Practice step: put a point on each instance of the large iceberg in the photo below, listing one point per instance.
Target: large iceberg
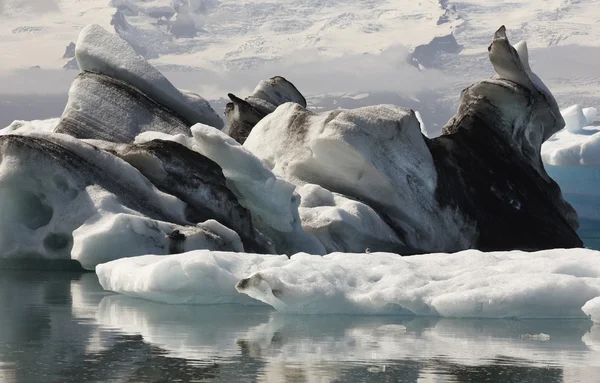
(470, 284)
(135, 166)
(480, 185)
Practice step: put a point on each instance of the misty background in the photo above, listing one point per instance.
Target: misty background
(346, 81)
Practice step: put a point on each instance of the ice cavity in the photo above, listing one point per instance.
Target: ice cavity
(271, 200)
(470, 284)
(65, 199)
(375, 154)
(99, 51)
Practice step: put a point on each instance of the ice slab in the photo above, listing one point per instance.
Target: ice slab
(470, 284)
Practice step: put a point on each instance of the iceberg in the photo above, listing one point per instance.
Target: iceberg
(194, 179)
(271, 200)
(118, 94)
(572, 158)
(135, 166)
(470, 284)
(574, 118)
(243, 115)
(480, 185)
(99, 51)
(62, 199)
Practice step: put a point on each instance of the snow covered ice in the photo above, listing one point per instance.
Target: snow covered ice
(470, 284)
(578, 144)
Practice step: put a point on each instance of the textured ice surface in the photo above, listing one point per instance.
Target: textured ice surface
(343, 224)
(201, 277)
(271, 200)
(61, 198)
(576, 145)
(375, 154)
(546, 284)
(102, 52)
(114, 232)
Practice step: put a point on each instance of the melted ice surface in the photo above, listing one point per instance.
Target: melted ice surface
(470, 284)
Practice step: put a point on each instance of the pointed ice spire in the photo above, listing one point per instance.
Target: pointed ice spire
(507, 61)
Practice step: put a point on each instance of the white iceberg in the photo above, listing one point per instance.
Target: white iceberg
(576, 145)
(574, 118)
(374, 154)
(470, 284)
(63, 199)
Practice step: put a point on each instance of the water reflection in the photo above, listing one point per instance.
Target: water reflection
(58, 327)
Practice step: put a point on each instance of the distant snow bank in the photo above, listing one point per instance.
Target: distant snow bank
(470, 284)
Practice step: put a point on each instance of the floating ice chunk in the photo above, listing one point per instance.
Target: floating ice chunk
(573, 149)
(200, 277)
(99, 51)
(61, 198)
(590, 114)
(545, 284)
(540, 337)
(574, 118)
(592, 308)
(109, 235)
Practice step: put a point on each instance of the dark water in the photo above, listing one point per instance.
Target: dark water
(61, 327)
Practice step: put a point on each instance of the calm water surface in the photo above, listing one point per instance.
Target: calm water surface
(61, 327)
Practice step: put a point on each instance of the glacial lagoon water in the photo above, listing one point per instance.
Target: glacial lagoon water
(62, 327)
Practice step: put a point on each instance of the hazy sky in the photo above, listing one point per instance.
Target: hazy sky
(311, 72)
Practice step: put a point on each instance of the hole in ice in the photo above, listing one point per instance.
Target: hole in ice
(61, 183)
(374, 278)
(23, 207)
(57, 241)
